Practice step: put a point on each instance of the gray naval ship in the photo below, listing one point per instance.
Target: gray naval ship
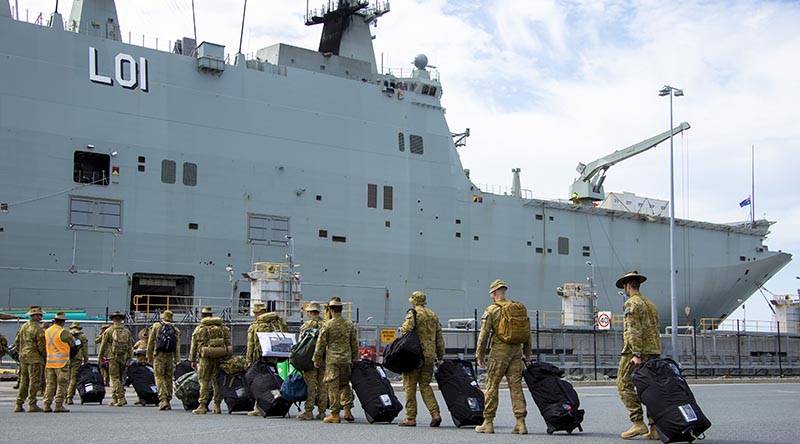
(127, 171)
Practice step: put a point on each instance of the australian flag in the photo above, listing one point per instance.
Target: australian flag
(745, 202)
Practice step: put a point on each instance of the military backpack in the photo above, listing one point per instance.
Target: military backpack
(215, 347)
(120, 341)
(167, 338)
(515, 325)
(301, 355)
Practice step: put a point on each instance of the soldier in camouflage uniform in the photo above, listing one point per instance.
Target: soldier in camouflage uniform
(430, 336)
(163, 361)
(117, 347)
(76, 330)
(103, 366)
(58, 343)
(504, 360)
(208, 367)
(317, 393)
(641, 343)
(337, 347)
(140, 347)
(30, 343)
(265, 322)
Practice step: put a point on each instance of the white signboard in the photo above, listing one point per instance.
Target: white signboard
(276, 343)
(604, 320)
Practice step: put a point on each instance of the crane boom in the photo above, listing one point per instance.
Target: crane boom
(589, 185)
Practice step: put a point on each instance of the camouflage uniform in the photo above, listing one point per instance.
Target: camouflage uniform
(118, 356)
(3, 346)
(430, 335)
(57, 368)
(163, 362)
(99, 340)
(81, 358)
(267, 322)
(337, 347)
(640, 338)
(140, 347)
(504, 360)
(207, 368)
(315, 377)
(32, 354)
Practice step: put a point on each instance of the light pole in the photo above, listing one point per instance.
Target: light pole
(672, 91)
(744, 314)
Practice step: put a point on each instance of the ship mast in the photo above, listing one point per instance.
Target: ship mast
(97, 18)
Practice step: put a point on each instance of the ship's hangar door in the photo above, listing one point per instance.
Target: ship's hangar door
(158, 292)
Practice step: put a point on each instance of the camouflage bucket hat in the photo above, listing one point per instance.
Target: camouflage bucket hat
(312, 306)
(167, 315)
(207, 310)
(60, 316)
(259, 307)
(35, 310)
(417, 298)
(75, 326)
(496, 285)
(632, 276)
(336, 301)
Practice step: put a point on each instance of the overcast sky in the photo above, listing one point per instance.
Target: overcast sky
(546, 84)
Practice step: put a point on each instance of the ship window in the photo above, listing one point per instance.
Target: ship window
(539, 217)
(86, 212)
(416, 144)
(193, 226)
(458, 235)
(401, 141)
(458, 221)
(586, 251)
(372, 195)
(141, 168)
(319, 197)
(323, 233)
(530, 243)
(339, 239)
(168, 171)
(141, 159)
(271, 229)
(387, 224)
(387, 198)
(476, 238)
(432, 91)
(551, 218)
(91, 168)
(549, 250)
(189, 174)
(539, 250)
(742, 258)
(425, 89)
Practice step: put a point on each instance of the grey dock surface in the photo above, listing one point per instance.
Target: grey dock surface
(751, 413)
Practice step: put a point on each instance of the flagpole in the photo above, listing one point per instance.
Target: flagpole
(753, 184)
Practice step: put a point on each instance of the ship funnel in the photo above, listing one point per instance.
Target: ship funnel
(97, 18)
(516, 188)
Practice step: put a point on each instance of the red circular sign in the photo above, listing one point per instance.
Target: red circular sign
(604, 320)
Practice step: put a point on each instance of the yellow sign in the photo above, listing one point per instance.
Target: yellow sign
(388, 335)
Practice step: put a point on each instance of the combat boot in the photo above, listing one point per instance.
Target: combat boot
(70, 401)
(19, 408)
(321, 415)
(520, 428)
(638, 428)
(407, 423)
(163, 405)
(33, 408)
(348, 415)
(138, 402)
(255, 412)
(436, 419)
(217, 409)
(60, 408)
(201, 410)
(113, 403)
(305, 416)
(486, 427)
(332, 419)
(47, 408)
(122, 402)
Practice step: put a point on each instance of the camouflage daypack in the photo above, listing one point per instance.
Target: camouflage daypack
(216, 336)
(515, 325)
(121, 341)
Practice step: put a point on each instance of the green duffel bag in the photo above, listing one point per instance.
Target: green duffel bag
(302, 354)
(233, 365)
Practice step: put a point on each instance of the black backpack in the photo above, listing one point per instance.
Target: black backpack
(167, 338)
(405, 353)
(74, 349)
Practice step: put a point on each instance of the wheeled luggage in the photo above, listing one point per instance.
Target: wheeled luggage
(556, 399)
(375, 392)
(90, 384)
(462, 394)
(265, 386)
(143, 380)
(187, 389)
(669, 401)
(235, 392)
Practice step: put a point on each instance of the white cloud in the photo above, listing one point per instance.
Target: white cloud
(546, 84)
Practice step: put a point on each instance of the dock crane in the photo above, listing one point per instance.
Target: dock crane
(589, 185)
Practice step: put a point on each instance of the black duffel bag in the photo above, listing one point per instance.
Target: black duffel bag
(404, 353)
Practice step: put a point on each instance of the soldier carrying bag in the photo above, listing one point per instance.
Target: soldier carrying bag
(405, 353)
(216, 347)
(167, 338)
(121, 341)
(75, 348)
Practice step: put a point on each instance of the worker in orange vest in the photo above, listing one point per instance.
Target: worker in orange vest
(58, 341)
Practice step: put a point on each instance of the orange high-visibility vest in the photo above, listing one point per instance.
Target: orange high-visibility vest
(57, 350)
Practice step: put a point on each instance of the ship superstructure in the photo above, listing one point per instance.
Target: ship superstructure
(126, 171)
